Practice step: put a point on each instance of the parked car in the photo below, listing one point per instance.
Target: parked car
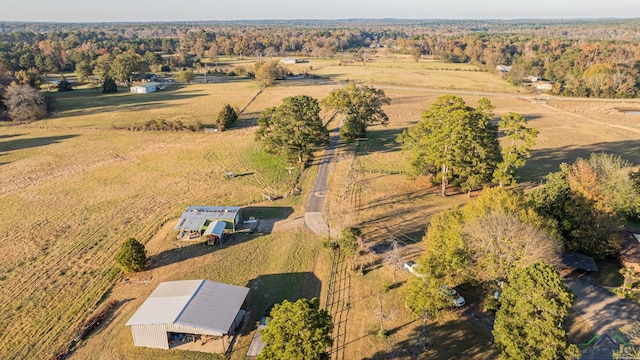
(451, 294)
(412, 267)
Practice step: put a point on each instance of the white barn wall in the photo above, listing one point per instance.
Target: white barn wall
(153, 336)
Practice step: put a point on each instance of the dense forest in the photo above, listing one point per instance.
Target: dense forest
(589, 58)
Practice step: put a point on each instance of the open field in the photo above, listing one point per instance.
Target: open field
(73, 188)
(402, 70)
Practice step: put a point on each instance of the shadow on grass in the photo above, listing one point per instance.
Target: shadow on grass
(380, 139)
(453, 339)
(545, 161)
(267, 290)
(267, 212)
(195, 249)
(70, 103)
(10, 136)
(19, 144)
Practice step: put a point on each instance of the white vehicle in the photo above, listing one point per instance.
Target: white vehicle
(412, 267)
(452, 294)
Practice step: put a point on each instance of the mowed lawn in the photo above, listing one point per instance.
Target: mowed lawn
(73, 187)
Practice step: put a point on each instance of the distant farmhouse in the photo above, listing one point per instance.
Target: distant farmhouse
(208, 222)
(503, 68)
(146, 88)
(197, 315)
(543, 85)
(290, 61)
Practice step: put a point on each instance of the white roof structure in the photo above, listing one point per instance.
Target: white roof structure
(215, 228)
(194, 218)
(198, 304)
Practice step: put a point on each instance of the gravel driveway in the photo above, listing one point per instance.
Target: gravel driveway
(606, 312)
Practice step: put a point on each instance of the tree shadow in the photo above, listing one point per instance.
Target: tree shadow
(10, 136)
(267, 212)
(380, 140)
(19, 144)
(77, 103)
(195, 249)
(454, 339)
(270, 289)
(545, 161)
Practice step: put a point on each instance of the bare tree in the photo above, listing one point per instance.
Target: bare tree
(499, 241)
(24, 103)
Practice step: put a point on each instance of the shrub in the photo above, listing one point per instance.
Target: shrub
(109, 86)
(349, 240)
(132, 256)
(64, 85)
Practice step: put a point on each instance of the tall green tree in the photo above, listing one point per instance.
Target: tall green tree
(109, 85)
(126, 64)
(297, 330)
(132, 256)
(226, 117)
(454, 141)
(361, 107)
(102, 66)
(293, 129)
(444, 263)
(83, 70)
(267, 73)
(534, 304)
(520, 139)
(585, 216)
(185, 76)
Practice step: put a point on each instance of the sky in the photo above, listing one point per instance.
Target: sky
(190, 10)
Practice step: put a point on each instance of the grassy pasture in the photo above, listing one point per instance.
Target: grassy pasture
(401, 70)
(189, 104)
(71, 193)
(73, 188)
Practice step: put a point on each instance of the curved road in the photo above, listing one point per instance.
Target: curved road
(313, 212)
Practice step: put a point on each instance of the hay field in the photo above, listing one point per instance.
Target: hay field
(72, 190)
(401, 70)
(189, 104)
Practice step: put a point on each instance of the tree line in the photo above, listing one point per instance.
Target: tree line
(584, 58)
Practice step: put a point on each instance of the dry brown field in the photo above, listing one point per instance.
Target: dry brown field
(73, 188)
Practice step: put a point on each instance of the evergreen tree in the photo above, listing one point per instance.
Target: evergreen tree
(109, 85)
(454, 141)
(226, 117)
(293, 129)
(361, 107)
(297, 330)
(533, 305)
(520, 140)
(132, 256)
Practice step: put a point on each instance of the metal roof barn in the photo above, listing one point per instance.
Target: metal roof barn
(190, 306)
(195, 217)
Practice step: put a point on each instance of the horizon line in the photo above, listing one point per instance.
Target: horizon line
(314, 19)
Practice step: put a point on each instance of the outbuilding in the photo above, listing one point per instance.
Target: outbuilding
(290, 60)
(196, 219)
(145, 88)
(189, 312)
(215, 232)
